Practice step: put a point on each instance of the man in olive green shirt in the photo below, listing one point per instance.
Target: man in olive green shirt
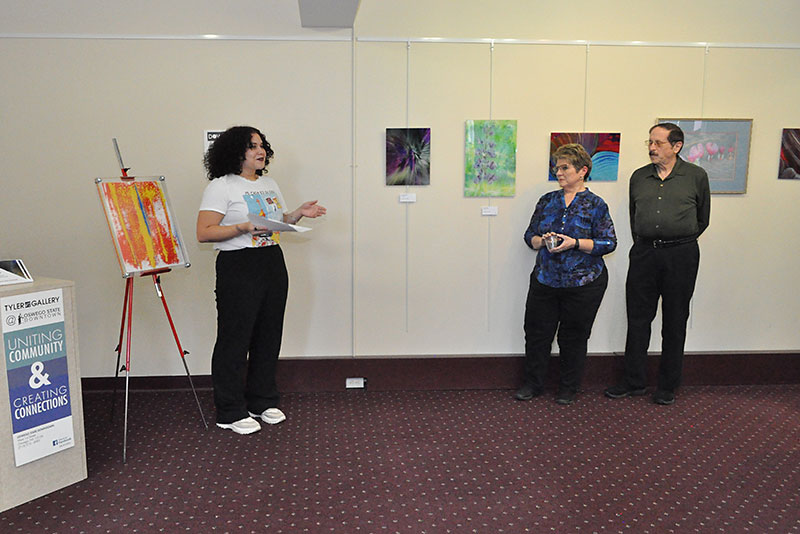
(670, 206)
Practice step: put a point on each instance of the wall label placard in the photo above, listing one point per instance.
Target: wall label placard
(35, 351)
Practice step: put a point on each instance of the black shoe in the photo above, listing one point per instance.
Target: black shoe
(527, 392)
(565, 396)
(663, 397)
(621, 390)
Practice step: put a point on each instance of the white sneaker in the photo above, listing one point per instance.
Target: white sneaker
(271, 416)
(248, 425)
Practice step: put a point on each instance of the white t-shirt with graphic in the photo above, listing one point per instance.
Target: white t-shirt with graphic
(234, 197)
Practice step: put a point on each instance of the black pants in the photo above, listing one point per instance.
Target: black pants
(251, 289)
(668, 274)
(571, 311)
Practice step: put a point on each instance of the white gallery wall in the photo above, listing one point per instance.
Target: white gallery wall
(376, 277)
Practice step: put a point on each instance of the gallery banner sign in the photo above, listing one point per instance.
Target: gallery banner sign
(34, 343)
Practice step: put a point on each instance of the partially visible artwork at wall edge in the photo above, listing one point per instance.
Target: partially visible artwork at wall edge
(789, 162)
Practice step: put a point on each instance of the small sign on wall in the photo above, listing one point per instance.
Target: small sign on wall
(209, 137)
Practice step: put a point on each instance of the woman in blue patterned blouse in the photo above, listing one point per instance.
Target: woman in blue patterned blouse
(571, 229)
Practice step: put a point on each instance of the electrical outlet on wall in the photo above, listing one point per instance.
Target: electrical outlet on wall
(355, 383)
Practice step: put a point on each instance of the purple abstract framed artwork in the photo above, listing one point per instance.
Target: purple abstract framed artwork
(408, 156)
(789, 165)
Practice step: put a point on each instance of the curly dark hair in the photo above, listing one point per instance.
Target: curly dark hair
(226, 155)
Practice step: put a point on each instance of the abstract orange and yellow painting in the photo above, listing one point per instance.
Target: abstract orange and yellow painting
(145, 233)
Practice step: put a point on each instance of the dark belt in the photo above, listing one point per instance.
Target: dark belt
(666, 243)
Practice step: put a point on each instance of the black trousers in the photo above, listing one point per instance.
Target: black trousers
(571, 312)
(251, 289)
(668, 274)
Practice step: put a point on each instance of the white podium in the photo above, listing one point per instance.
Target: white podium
(42, 443)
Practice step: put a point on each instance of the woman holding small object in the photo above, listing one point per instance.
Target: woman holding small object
(572, 230)
(252, 281)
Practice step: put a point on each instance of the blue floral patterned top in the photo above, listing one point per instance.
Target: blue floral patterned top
(586, 217)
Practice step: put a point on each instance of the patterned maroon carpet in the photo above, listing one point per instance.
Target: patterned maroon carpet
(722, 459)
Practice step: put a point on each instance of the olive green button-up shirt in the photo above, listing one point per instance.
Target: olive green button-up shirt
(677, 207)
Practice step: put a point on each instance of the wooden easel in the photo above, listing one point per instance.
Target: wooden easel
(126, 326)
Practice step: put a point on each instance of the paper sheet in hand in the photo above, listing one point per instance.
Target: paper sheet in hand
(275, 226)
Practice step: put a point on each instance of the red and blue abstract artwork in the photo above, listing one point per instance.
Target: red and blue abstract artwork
(603, 148)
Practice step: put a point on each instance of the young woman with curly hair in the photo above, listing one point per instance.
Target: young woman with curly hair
(252, 281)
